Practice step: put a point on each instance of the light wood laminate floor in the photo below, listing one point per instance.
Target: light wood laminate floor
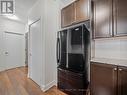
(15, 82)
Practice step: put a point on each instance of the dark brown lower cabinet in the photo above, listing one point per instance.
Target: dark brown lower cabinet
(122, 80)
(108, 79)
(103, 79)
(71, 83)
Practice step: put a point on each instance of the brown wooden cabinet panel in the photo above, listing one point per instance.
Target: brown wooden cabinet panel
(102, 18)
(67, 15)
(122, 80)
(75, 13)
(108, 13)
(82, 10)
(103, 79)
(120, 17)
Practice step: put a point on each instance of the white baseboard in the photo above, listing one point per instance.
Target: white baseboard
(1, 70)
(28, 75)
(4, 69)
(48, 86)
(56, 83)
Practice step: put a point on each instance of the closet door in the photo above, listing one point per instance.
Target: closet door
(14, 50)
(2, 65)
(120, 17)
(35, 52)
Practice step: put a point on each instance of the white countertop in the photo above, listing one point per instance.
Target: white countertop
(110, 61)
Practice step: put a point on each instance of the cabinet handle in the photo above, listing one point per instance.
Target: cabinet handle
(120, 69)
(115, 69)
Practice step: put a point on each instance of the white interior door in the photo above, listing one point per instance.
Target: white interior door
(35, 52)
(2, 65)
(14, 50)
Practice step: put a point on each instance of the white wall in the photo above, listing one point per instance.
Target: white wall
(48, 11)
(9, 26)
(34, 14)
(112, 48)
(52, 26)
(66, 2)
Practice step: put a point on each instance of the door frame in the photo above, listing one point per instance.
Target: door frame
(26, 47)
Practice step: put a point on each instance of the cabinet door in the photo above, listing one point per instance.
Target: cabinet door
(122, 81)
(68, 15)
(103, 79)
(120, 17)
(102, 18)
(82, 10)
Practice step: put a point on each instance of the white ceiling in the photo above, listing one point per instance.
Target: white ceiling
(67, 1)
(22, 8)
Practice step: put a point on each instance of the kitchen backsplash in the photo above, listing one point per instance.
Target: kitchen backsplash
(113, 48)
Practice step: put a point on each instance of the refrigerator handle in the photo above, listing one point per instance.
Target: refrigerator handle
(58, 50)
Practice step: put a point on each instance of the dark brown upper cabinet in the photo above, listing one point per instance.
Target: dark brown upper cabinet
(67, 15)
(109, 18)
(102, 18)
(75, 13)
(120, 17)
(103, 79)
(82, 10)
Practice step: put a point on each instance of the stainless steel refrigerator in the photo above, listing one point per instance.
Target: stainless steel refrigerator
(73, 55)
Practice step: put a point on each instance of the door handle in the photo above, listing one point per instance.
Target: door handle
(115, 69)
(30, 54)
(58, 50)
(120, 69)
(6, 53)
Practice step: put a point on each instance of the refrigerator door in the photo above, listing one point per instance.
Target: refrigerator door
(76, 62)
(63, 49)
(76, 36)
(76, 59)
(75, 40)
